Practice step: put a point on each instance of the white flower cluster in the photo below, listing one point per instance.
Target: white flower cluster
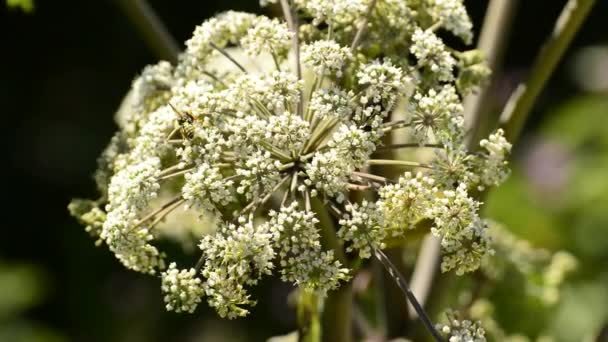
(431, 53)
(302, 259)
(339, 13)
(438, 114)
(128, 195)
(151, 88)
(493, 168)
(325, 57)
(234, 257)
(363, 227)
(331, 103)
(267, 35)
(382, 83)
(90, 215)
(182, 289)
(234, 131)
(462, 330)
(205, 188)
(463, 237)
(405, 203)
(453, 16)
(226, 28)
(349, 149)
(544, 272)
(453, 213)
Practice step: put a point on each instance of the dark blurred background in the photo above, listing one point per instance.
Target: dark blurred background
(64, 69)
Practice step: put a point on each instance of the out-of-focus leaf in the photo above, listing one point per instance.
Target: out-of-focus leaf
(25, 5)
(21, 287)
(22, 331)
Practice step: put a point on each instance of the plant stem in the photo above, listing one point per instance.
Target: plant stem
(523, 98)
(337, 317)
(398, 163)
(144, 219)
(292, 22)
(152, 29)
(400, 280)
(174, 174)
(371, 177)
(409, 145)
(228, 56)
(363, 26)
(425, 270)
(492, 42)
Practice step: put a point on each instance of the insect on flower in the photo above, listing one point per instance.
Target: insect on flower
(184, 124)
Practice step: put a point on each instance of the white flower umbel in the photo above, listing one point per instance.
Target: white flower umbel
(349, 149)
(151, 89)
(437, 115)
(267, 35)
(325, 57)
(405, 203)
(182, 289)
(493, 166)
(463, 234)
(432, 54)
(453, 17)
(382, 83)
(457, 330)
(302, 259)
(235, 256)
(363, 227)
(128, 194)
(205, 188)
(338, 13)
(228, 27)
(265, 139)
(331, 102)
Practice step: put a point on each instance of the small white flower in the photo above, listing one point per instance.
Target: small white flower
(462, 330)
(406, 202)
(325, 57)
(267, 35)
(182, 289)
(363, 226)
(492, 166)
(331, 103)
(453, 16)
(301, 258)
(431, 53)
(437, 114)
(205, 188)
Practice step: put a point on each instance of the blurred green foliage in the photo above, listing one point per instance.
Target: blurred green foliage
(25, 5)
(557, 199)
(21, 288)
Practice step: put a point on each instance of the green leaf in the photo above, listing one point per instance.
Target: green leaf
(25, 5)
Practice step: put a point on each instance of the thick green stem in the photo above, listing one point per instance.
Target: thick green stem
(309, 322)
(337, 310)
(492, 43)
(151, 28)
(521, 102)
